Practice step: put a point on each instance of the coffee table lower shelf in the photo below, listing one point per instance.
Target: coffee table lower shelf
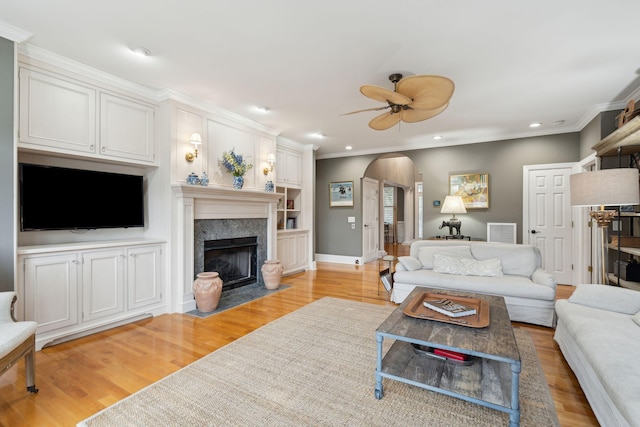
(487, 382)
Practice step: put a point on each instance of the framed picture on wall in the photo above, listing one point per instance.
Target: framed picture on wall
(341, 193)
(472, 187)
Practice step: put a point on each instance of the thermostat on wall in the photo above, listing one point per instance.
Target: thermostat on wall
(436, 203)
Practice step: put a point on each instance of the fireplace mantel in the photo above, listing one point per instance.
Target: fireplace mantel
(194, 202)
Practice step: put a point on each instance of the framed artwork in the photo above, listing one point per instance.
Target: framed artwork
(472, 187)
(341, 193)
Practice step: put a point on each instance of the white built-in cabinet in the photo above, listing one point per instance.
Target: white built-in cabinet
(289, 167)
(75, 288)
(293, 233)
(292, 250)
(66, 116)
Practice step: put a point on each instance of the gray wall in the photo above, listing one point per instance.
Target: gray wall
(502, 160)
(7, 170)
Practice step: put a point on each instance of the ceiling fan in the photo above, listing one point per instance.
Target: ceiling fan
(414, 98)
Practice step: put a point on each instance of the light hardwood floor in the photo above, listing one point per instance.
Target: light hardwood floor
(80, 377)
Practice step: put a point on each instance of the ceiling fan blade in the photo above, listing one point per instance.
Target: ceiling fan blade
(367, 109)
(384, 95)
(427, 92)
(412, 116)
(384, 121)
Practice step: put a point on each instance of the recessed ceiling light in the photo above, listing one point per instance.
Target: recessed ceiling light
(263, 109)
(317, 135)
(535, 125)
(348, 147)
(141, 51)
(437, 137)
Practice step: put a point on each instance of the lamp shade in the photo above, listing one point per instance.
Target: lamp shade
(453, 205)
(196, 139)
(605, 187)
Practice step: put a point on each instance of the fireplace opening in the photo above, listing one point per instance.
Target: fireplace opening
(236, 260)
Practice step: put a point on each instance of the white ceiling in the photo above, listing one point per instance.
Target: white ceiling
(513, 62)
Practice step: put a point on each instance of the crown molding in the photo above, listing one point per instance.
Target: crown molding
(36, 53)
(13, 33)
(220, 113)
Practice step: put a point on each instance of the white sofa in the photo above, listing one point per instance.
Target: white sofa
(598, 332)
(510, 270)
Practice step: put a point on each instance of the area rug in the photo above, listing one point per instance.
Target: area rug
(313, 367)
(235, 297)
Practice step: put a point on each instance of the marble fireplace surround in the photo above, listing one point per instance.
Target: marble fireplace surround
(195, 202)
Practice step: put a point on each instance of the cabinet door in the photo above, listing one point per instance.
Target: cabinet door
(301, 250)
(144, 276)
(56, 113)
(102, 284)
(286, 253)
(126, 128)
(51, 291)
(294, 168)
(289, 167)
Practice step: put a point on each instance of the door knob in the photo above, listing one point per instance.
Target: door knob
(533, 231)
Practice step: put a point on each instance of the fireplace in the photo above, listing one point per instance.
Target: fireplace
(235, 248)
(212, 213)
(235, 259)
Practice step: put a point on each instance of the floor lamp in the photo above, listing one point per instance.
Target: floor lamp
(607, 187)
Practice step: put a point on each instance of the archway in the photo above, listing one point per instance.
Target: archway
(397, 174)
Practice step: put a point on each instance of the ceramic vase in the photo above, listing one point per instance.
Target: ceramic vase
(269, 187)
(207, 289)
(204, 179)
(238, 182)
(271, 273)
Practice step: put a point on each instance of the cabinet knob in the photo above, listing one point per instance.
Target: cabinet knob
(103, 148)
(91, 147)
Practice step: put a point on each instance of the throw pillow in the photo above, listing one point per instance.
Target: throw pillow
(425, 253)
(410, 263)
(636, 318)
(486, 267)
(447, 265)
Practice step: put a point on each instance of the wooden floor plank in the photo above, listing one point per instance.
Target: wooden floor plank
(80, 377)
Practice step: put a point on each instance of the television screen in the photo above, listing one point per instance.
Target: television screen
(55, 198)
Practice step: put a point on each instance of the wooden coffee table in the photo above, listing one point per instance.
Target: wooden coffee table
(491, 379)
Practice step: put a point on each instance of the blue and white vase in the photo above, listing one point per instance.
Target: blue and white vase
(204, 179)
(193, 179)
(268, 187)
(238, 182)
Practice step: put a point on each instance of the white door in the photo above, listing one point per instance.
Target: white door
(547, 217)
(370, 209)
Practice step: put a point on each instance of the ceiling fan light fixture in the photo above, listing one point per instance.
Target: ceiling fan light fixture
(414, 99)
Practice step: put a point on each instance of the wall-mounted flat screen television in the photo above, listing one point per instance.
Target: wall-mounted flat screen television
(56, 198)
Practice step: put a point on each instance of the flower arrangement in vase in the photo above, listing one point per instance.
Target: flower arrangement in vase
(235, 164)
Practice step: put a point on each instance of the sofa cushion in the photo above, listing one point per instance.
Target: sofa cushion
(521, 260)
(507, 285)
(410, 263)
(425, 254)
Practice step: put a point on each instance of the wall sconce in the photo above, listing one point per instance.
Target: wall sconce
(271, 158)
(195, 140)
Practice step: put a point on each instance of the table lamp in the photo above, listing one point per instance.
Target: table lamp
(453, 205)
